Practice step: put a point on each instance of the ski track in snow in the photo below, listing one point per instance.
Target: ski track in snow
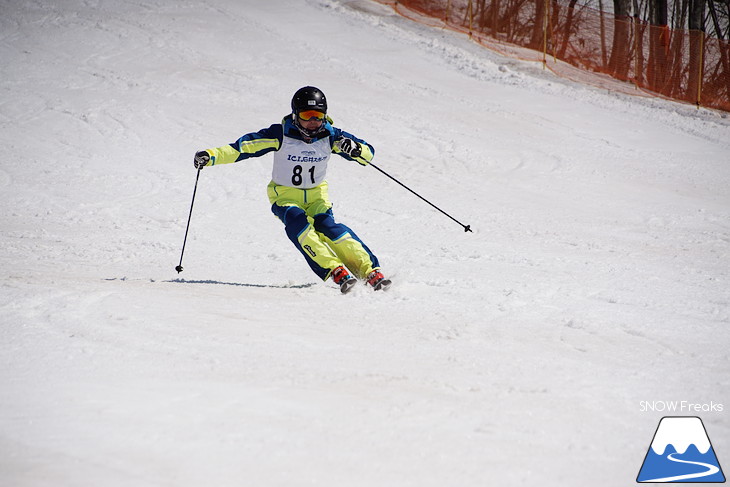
(711, 470)
(596, 276)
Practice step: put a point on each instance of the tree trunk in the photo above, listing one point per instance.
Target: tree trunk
(696, 47)
(715, 20)
(697, 15)
(621, 50)
(538, 30)
(658, 44)
(567, 31)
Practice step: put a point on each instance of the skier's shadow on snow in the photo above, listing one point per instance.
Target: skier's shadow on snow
(241, 284)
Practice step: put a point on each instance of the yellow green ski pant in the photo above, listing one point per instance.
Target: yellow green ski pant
(310, 225)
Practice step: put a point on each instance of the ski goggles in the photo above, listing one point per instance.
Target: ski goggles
(311, 115)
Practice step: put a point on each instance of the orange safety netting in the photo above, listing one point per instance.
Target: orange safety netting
(677, 64)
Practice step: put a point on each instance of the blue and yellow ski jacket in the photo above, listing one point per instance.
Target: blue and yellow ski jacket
(256, 144)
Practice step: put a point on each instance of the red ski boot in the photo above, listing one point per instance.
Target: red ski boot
(343, 279)
(378, 281)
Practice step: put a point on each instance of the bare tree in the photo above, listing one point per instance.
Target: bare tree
(658, 43)
(621, 51)
(696, 22)
(720, 15)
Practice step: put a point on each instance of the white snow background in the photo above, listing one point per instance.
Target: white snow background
(597, 275)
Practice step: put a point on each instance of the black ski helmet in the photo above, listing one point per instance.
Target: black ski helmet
(308, 98)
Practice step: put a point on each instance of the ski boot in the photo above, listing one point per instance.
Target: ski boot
(378, 281)
(343, 279)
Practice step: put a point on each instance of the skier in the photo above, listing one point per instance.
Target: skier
(302, 144)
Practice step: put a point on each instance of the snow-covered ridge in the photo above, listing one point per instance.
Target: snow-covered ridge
(479, 62)
(681, 432)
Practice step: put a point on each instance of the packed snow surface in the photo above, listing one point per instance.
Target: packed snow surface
(596, 281)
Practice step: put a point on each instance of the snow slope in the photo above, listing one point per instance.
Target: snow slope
(596, 277)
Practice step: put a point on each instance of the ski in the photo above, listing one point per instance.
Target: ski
(347, 285)
(382, 285)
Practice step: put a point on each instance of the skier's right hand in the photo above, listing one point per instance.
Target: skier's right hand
(201, 160)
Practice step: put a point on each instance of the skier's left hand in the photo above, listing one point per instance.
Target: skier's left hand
(350, 147)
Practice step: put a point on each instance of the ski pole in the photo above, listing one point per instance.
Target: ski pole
(467, 228)
(179, 267)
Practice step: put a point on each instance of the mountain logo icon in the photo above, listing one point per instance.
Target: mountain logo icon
(681, 452)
